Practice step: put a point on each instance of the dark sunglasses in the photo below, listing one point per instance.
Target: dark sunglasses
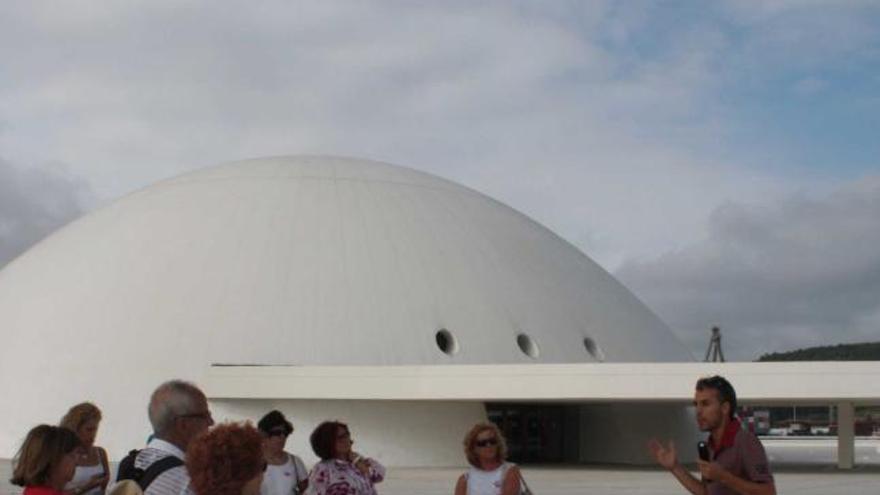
(489, 442)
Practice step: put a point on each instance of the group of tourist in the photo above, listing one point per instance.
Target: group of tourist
(187, 454)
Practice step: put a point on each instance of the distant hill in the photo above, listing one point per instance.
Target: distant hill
(867, 351)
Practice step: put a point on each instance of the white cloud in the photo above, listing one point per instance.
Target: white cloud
(780, 275)
(561, 110)
(526, 105)
(33, 203)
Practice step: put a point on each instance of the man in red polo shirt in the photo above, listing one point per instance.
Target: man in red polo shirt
(737, 463)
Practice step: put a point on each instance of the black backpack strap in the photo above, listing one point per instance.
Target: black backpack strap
(126, 469)
(157, 468)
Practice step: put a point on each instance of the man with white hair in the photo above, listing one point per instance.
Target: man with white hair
(179, 412)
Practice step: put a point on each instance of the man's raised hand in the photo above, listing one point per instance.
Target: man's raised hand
(664, 455)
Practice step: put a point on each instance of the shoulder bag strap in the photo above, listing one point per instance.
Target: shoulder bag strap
(157, 468)
(295, 473)
(102, 454)
(524, 488)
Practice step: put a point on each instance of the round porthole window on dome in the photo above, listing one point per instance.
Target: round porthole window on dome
(528, 346)
(446, 342)
(593, 349)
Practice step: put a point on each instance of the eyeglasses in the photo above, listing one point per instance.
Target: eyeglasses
(488, 442)
(277, 433)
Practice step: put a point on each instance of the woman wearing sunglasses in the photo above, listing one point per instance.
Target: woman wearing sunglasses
(489, 474)
(286, 474)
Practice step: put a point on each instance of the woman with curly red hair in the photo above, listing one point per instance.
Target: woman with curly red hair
(227, 460)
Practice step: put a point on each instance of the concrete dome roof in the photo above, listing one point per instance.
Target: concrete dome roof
(305, 260)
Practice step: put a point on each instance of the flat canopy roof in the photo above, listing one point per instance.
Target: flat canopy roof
(820, 382)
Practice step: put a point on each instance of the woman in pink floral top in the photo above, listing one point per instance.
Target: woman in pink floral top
(341, 470)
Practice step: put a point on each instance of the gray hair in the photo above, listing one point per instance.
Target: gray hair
(172, 399)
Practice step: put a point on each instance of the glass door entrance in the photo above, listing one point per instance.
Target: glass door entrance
(536, 433)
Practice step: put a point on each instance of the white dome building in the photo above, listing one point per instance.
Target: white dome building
(302, 261)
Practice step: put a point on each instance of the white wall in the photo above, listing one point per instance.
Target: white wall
(418, 434)
(396, 433)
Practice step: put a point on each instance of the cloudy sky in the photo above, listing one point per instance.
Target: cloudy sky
(722, 159)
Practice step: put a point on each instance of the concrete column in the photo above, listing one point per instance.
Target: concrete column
(846, 438)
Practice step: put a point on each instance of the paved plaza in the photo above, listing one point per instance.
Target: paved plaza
(603, 480)
(621, 481)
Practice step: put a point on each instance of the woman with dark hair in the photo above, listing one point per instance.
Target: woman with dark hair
(92, 469)
(46, 460)
(286, 474)
(227, 460)
(341, 471)
(490, 474)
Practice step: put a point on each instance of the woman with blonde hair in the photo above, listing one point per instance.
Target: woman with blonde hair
(92, 469)
(490, 473)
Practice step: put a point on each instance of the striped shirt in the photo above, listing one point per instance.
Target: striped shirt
(174, 481)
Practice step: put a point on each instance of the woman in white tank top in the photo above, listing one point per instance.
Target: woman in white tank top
(489, 474)
(285, 473)
(92, 471)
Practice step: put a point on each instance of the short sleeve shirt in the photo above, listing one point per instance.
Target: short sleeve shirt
(742, 454)
(174, 481)
(283, 479)
(336, 477)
